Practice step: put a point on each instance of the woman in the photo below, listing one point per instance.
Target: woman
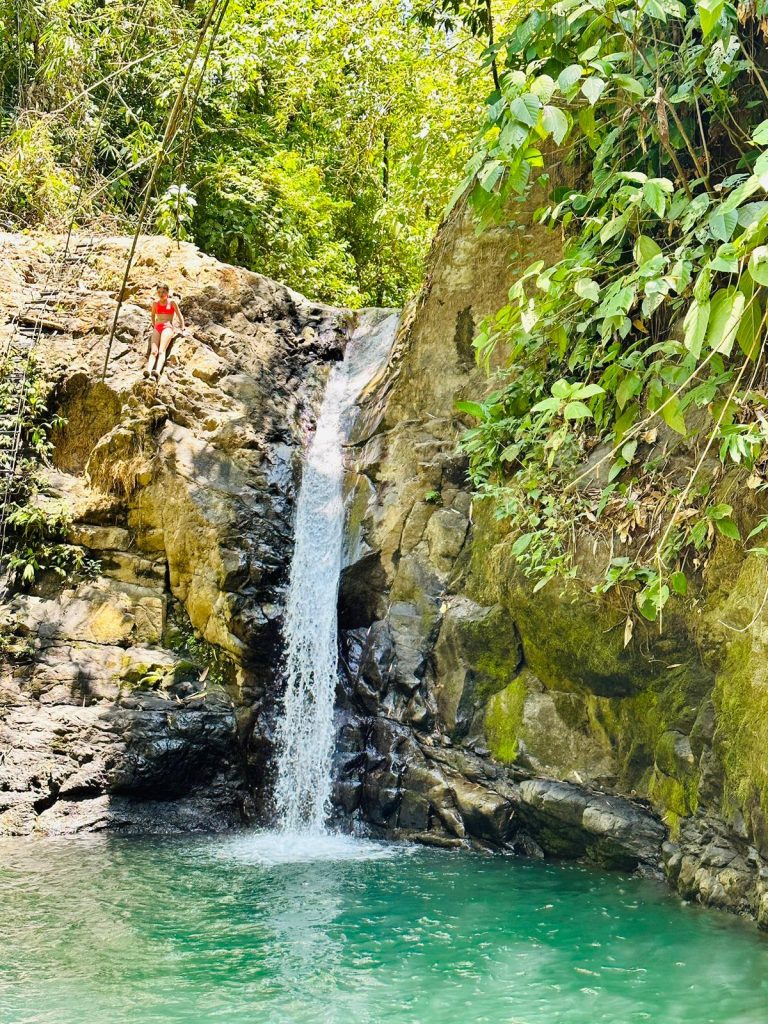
(164, 309)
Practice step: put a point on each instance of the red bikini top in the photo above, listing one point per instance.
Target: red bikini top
(164, 310)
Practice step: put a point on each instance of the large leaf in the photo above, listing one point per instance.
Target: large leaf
(645, 249)
(725, 314)
(613, 227)
(587, 391)
(513, 136)
(543, 87)
(569, 77)
(593, 89)
(586, 288)
(695, 326)
(758, 265)
(709, 14)
(491, 175)
(629, 84)
(761, 170)
(653, 194)
(630, 386)
(577, 411)
(526, 109)
(722, 223)
(750, 327)
(471, 409)
(672, 416)
(555, 123)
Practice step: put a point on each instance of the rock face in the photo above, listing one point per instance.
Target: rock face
(476, 709)
(139, 697)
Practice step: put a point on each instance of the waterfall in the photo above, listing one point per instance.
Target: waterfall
(305, 730)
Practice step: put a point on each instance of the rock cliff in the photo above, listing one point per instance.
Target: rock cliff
(475, 708)
(139, 696)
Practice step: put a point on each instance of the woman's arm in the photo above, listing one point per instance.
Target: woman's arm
(180, 314)
(152, 313)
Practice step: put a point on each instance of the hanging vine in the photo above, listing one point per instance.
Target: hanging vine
(652, 321)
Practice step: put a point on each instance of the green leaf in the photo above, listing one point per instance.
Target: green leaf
(568, 77)
(709, 14)
(762, 525)
(526, 109)
(593, 89)
(761, 170)
(471, 409)
(725, 314)
(720, 511)
(522, 544)
(493, 172)
(699, 534)
(645, 249)
(728, 528)
(679, 583)
(695, 326)
(652, 599)
(555, 123)
(749, 333)
(758, 265)
(513, 136)
(547, 405)
(726, 259)
(577, 411)
(629, 84)
(654, 197)
(586, 288)
(672, 416)
(630, 386)
(760, 134)
(722, 224)
(543, 87)
(626, 420)
(613, 227)
(587, 391)
(628, 451)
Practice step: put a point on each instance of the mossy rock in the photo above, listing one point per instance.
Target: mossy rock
(477, 654)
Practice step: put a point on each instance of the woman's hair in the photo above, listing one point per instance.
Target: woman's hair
(163, 288)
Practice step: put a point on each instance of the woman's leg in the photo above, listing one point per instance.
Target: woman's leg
(153, 351)
(166, 337)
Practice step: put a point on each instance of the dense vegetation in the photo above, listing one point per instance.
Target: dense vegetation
(644, 128)
(317, 142)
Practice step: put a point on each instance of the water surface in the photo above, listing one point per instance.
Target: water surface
(248, 929)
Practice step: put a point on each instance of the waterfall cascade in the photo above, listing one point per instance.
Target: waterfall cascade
(305, 730)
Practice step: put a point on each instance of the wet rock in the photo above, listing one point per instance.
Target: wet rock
(181, 493)
(573, 821)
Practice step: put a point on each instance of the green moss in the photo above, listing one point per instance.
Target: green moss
(504, 721)
(741, 736)
(648, 733)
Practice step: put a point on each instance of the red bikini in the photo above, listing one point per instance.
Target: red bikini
(163, 310)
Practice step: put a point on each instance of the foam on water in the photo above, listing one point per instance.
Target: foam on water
(271, 849)
(305, 732)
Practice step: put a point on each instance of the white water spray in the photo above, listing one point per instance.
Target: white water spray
(305, 731)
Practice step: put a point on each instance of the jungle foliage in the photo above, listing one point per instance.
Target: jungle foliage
(318, 142)
(644, 128)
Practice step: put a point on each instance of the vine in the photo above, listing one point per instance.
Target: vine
(646, 127)
(36, 528)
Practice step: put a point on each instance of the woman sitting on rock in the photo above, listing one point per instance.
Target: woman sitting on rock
(164, 309)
